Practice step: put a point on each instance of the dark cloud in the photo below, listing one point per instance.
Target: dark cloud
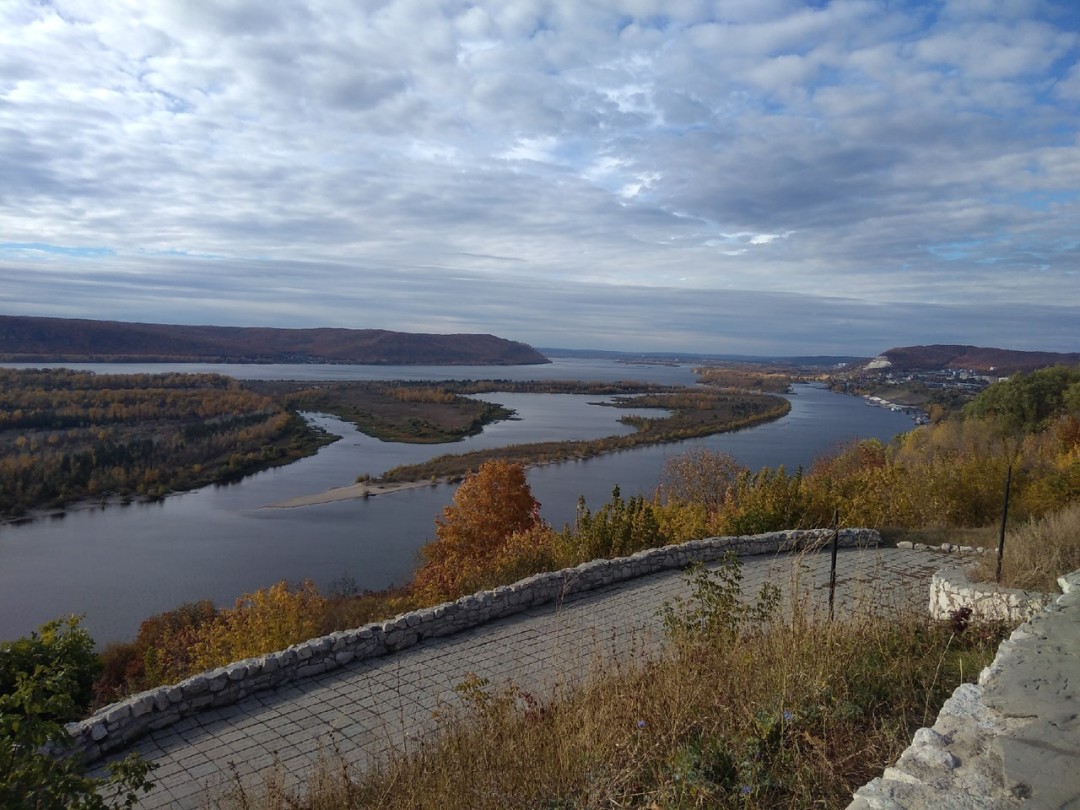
(553, 312)
(776, 174)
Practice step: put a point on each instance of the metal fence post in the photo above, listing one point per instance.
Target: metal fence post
(832, 567)
(1004, 516)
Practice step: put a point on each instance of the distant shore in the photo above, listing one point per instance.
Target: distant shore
(346, 494)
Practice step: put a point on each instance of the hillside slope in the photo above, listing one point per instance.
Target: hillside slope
(36, 340)
(974, 358)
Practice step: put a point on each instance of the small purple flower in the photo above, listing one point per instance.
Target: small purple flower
(788, 715)
(746, 790)
(641, 724)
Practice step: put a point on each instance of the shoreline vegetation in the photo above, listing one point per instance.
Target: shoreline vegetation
(70, 439)
(391, 411)
(453, 468)
(76, 439)
(696, 413)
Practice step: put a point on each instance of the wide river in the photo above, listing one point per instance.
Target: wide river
(120, 564)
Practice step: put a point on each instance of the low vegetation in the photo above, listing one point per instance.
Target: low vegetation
(693, 413)
(396, 412)
(745, 710)
(1037, 552)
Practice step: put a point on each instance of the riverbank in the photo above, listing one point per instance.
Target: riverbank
(695, 415)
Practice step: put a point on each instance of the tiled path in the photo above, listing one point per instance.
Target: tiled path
(367, 707)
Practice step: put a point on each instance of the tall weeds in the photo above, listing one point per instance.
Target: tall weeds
(1037, 552)
(746, 709)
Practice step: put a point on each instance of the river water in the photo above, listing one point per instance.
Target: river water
(119, 564)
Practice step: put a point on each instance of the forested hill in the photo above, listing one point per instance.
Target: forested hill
(974, 358)
(39, 340)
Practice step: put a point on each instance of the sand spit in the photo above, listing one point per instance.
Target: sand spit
(346, 494)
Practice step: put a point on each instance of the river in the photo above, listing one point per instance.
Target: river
(119, 564)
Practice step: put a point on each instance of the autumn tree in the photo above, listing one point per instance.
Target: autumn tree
(700, 476)
(163, 651)
(488, 509)
(266, 620)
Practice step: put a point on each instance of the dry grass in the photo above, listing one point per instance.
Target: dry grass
(983, 537)
(1037, 552)
(780, 714)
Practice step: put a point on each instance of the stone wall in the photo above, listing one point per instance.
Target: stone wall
(117, 725)
(951, 590)
(1010, 740)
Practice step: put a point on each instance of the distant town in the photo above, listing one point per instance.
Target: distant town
(922, 394)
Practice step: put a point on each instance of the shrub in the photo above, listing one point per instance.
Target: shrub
(61, 649)
(46, 679)
(260, 622)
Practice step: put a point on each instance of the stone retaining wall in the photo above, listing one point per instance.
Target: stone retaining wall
(951, 590)
(118, 725)
(1010, 740)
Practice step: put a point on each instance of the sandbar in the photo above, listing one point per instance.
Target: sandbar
(346, 494)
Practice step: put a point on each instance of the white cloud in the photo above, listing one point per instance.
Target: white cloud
(774, 146)
(1068, 88)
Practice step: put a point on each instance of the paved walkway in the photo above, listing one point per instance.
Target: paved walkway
(365, 709)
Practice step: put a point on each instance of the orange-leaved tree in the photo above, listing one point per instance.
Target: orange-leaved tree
(489, 507)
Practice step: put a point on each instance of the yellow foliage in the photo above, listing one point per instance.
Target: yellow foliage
(681, 522)
(264, 621)
(950, 474)
(488, 509)
(525, 553)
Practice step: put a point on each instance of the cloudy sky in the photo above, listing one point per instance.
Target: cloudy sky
(725, 176)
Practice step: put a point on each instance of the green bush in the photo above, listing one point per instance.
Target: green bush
(45, 679)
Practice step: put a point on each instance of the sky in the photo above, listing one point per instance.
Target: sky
(762, 177)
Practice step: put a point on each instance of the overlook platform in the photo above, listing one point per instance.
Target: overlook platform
(367, 707)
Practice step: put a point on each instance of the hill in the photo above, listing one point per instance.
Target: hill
(989, 361)
(39, 340)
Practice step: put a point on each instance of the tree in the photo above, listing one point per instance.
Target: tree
(488, 508)
(260, 622)
(700, 476)
(1024, 403)
(618, 528)
(45, 679)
